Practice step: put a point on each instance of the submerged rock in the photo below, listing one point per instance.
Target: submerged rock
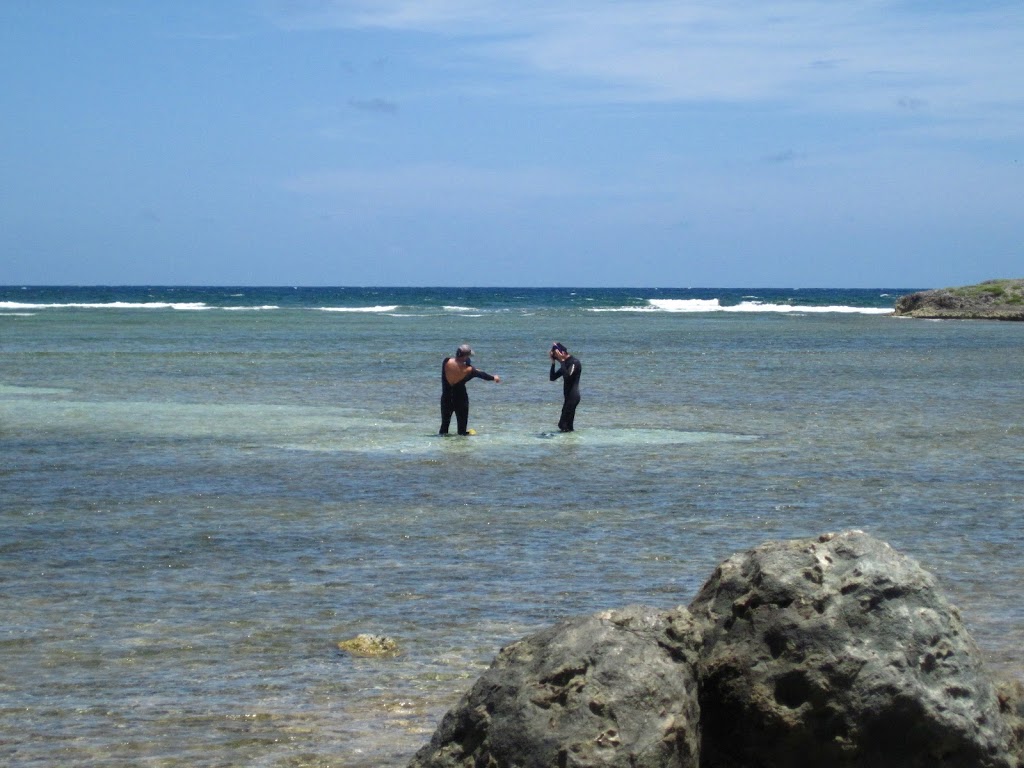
(379, 646)
(835, 651)
(991, 300)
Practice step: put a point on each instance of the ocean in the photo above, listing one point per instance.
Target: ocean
(204, 490)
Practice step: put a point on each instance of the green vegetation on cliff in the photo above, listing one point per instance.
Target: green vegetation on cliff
(990, 300)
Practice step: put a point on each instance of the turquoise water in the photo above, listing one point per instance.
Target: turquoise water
(203, 490)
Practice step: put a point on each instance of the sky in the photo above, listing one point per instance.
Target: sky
(638, 143)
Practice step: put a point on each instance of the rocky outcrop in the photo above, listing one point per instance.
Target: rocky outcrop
(616, 689)
(991, 300)
(835, 651)
(839, 652)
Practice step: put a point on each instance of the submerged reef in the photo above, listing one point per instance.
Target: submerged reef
(375, 646)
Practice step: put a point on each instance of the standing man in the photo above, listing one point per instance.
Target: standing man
(455, 372)
(569, 370)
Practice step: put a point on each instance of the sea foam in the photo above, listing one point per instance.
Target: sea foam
(714, 305)
(195, 305)
(388, 308)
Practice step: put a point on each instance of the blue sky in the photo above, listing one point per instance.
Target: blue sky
(720, 143)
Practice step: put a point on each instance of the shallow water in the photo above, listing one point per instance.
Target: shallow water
(197, 505)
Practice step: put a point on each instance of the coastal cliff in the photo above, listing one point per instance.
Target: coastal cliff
(991, 300)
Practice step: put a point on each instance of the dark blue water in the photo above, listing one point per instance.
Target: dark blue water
(425, 299)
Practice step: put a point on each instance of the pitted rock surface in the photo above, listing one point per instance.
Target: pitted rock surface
(839, 651)
(835, 651)
(614, 689)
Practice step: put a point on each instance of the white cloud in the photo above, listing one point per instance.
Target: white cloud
(872, 54)
(375, 106)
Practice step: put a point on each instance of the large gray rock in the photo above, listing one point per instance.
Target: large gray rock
(838, 651)
(831, 652)
(615, 689)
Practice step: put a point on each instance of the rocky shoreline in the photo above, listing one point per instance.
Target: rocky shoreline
(991, 300)
(832, 651)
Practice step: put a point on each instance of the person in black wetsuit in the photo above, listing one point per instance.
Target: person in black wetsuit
(455, 372)
(569, 371)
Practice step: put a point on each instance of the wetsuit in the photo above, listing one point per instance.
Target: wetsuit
(455, 399)
(569, 371)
